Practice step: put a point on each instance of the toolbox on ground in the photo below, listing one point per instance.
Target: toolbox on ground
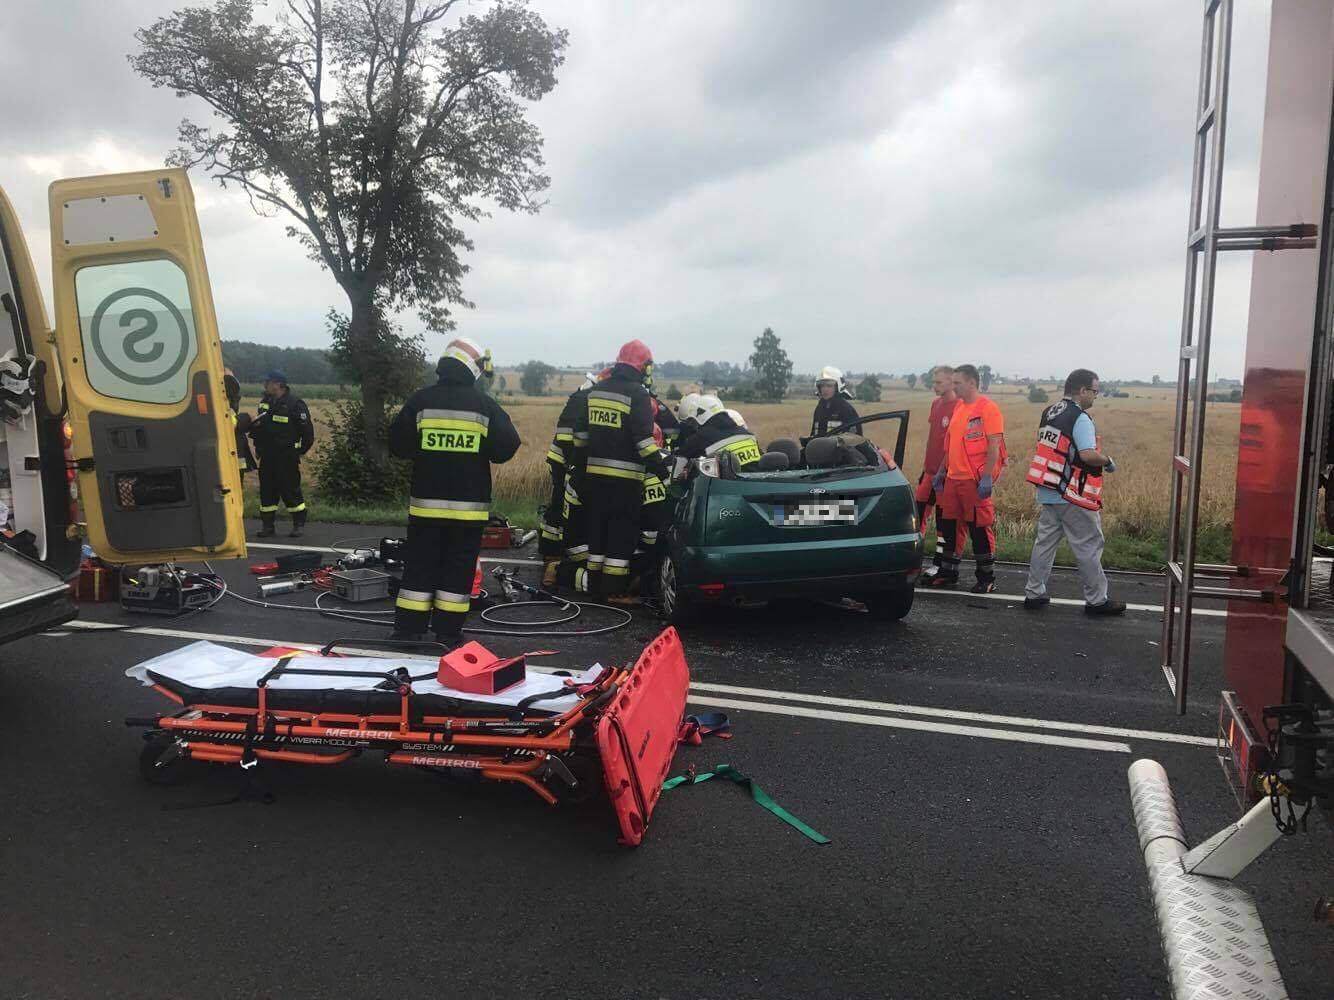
(359, 584)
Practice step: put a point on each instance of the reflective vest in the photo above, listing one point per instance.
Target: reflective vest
(1056, 463)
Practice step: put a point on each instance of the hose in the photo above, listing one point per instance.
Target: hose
(569, 609)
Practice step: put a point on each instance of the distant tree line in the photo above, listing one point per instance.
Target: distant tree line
(302, 365)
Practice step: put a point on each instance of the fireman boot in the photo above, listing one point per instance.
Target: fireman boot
(298, 524)
(267, 529)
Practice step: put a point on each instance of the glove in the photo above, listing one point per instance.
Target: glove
(1110, 466)
(16, 389)
(984, 487)
(243, 422)
(938, 481)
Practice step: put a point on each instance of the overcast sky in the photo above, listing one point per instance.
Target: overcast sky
(886, 184)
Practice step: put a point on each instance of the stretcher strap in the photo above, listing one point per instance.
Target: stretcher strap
(757, 794)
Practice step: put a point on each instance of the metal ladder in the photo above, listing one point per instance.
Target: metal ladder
(1204, 241)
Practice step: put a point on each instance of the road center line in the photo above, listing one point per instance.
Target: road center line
(948, 713)
(893, 722)
(776, 696)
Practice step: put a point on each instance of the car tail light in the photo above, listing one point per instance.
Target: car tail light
(711, 589)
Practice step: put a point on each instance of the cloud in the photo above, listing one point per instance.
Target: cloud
(886, 184)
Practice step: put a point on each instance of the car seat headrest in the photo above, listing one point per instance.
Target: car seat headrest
(772, 461)
(821, 452)
(788, 447)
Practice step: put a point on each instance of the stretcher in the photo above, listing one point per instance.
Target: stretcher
(564, 738)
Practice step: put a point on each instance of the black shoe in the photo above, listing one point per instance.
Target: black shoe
(983, 587)
(943, 581)
(265, 533)
(450, 640)
(267, 529)
(1036, 603)
(1106, 608)
(398, 636)
(296, 531)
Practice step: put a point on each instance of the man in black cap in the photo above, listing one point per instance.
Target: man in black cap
(282, 433)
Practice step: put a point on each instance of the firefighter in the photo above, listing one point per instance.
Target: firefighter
(685, 419)
(667, 423)
(654, 518)
(963, 483)
(1067, 469)
(617, 420)
(551, 524)
(938, 422)
(718, 433)
(245, 460)
(832, 409)
(282, 433)
(452, 432)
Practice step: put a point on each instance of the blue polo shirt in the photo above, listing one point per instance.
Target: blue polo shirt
(1085, 437)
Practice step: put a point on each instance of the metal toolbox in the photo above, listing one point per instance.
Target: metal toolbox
(360, 584)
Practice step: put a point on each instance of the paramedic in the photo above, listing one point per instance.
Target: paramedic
(1067, 469)
(965, 479)
(452, 432)
(717, 432)
(938, 422)
(832, 409)
(617, 422)
(282, 433)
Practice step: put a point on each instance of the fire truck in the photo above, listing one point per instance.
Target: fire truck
(1276, 711)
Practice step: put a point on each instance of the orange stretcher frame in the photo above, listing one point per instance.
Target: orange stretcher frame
(621, 735)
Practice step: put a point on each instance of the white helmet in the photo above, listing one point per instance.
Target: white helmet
(831, 374)
(706, 408)
(737, 418)
(466, 351)
(685, 407)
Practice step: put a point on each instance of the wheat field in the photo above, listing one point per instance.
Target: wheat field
(1136, 432)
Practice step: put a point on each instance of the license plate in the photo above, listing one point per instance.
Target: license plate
(805, 515)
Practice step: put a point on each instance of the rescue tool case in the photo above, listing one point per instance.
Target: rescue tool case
(564, 738)
(360, 584)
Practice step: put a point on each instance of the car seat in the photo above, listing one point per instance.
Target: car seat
(788, 447)
(772, 461)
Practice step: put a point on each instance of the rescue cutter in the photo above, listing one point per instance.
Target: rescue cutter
(610, 728)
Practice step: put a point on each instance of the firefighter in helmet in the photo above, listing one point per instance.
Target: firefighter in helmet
(715, 433)
(452, 432)
(564, 462)
(282, 433)
(617, 423)
(832, 409)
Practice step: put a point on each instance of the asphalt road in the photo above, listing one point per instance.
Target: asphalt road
(967, 860)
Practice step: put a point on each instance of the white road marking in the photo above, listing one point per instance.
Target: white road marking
(1070, 602)
(775, 696)
(891, 722)
(948, 713)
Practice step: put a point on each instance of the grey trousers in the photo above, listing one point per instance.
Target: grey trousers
(1083, 530)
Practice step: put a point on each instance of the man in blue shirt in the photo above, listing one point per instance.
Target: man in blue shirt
(1067, 470)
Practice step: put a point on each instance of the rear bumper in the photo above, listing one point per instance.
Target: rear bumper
(828, 569)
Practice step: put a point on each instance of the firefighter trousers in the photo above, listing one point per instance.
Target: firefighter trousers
(551, 525)
(612, 506)
(440, 562)
(280, 479)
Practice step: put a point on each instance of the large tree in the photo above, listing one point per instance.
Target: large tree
(771, 366)
(376, 128)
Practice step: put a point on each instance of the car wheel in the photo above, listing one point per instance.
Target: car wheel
(675, 606)
(890, 605)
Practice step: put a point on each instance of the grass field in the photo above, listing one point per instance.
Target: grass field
(1135, 431)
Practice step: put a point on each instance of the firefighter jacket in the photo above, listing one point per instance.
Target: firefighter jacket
(566, 452)
(282, 426)
(617, 423)
(452, 432)
(720, 433)
(831, 414)
(1056, 463)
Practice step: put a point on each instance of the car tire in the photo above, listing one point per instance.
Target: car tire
(891, 605)
(676, 607)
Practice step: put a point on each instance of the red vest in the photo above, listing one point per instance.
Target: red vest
(1056, 463)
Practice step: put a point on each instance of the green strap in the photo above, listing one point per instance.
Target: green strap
(757, 794)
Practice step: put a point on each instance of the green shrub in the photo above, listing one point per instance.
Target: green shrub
(344, 473)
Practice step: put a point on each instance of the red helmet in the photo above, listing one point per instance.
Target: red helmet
(635, 354)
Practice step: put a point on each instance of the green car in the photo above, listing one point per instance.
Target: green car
(838, 520)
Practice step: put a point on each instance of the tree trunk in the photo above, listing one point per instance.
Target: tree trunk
(361, 336)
